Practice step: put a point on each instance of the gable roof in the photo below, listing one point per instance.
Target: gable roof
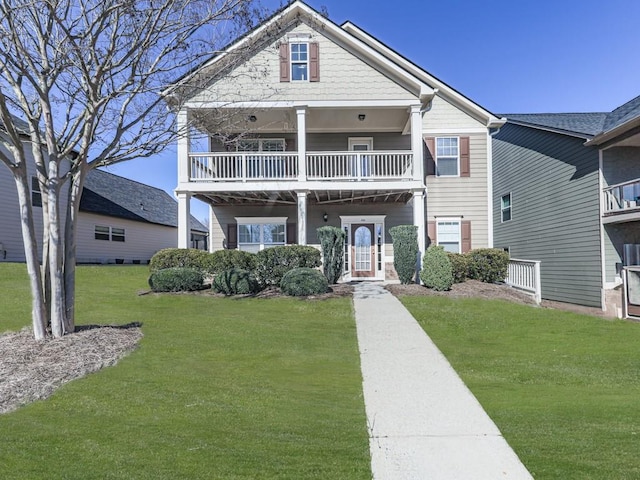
(359, 42)
(622, 114)
(108, 194)
(583, 125)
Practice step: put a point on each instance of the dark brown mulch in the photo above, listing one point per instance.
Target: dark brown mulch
(32, 370)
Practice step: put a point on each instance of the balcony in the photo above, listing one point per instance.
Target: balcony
(319, 166)
(622, 202)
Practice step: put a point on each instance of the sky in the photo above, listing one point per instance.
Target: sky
(509, 56)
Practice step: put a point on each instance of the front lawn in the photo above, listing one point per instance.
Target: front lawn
(218, 389)
(563, 388)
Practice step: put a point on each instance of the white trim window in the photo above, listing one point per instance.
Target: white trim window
(114, 234)
(261, 145)
(505, 207)
(449, 234)
(258, 233)
(447, 156)
(299, 61)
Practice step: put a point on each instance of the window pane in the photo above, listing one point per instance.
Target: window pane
(452, 247)
(249, 146)
(273, 233)
(117, 234)
(506, 214)
(249, 234)
(299, 71)
(101, 233)
(253, 248)
(273, 145)
(298, 52)
(449, 236)
(447, 166)
(447, 147)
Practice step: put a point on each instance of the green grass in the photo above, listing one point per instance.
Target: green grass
(218, 389)
(563, 388)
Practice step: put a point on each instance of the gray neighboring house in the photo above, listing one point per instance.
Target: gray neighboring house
(566, 192)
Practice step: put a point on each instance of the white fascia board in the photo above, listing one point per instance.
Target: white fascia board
(612, 134)
(454, 131)
(239, 186)
(309, 104)
(491, 120)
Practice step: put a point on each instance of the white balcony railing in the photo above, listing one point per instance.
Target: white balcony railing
(525, 275)
(329, 166)
(622, 197)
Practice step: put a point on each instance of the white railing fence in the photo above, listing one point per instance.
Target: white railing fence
(525, 275)
(623, 196)
(242, 166)
(370, 165)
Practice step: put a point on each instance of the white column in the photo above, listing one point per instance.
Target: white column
(302, 218)
(419, 221)
(301, 114)
(183, 146)
(184, 213)
(416, 143)
(212, 218)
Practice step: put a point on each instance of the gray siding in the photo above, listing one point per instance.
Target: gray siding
(615, 236)
(620, 165)
(553, 180)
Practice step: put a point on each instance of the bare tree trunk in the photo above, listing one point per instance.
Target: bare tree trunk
(46, 272)
(73, 206)
(55, 253)
(38, 312)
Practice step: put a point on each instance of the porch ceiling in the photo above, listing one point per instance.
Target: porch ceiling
(316, 197)
(284, 120)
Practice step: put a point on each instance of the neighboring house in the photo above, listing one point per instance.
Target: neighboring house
(322, 124)
(120, 220)
(567, 193)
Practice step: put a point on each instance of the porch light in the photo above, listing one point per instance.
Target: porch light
(252, 118)
(325, 217)
(361, 117)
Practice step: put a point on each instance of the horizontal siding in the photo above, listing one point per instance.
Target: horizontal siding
(443, 115)
(142, 240)
(553, 181)
(464, 197)
(343, 76)
(340, 141)
(620, 165)
(615, 236)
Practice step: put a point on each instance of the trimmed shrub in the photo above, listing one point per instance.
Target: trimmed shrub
(177, 279)
(223, 260)
(180, 257)
(405, 251)
(235, 281)
(488, 264)
(436, 269)
(272, 263)
(460, 266)
(304, 281)
(332, 243)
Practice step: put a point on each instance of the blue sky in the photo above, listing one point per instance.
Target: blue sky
(510, 56)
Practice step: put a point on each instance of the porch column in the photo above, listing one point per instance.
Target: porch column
(416, 143)
(301, 114)
(183, 146)
(184, 212)
(419, 221)
(302, 218)
(212, 218)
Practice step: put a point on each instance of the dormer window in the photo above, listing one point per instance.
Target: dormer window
(299, 61)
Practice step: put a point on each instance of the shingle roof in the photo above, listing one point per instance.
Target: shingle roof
(588, 124)
(623, 114)
(108, 194)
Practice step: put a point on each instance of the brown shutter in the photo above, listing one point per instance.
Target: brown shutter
(466, 236)
(284, 63)
(430, 155)
(232, 236)
(314, 63)
(465, 167)
(431, 233)
(292, 233)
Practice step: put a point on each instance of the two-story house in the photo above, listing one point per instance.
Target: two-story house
(310, 123)
(567, 193)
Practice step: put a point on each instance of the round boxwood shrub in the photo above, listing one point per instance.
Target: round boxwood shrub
(272, 263)
(235, 281)
(436, 270)
(180, 257)
(177, 279)
(405, 251)
(488, 265)
(304, 281)
(460, 266)
(222, 260)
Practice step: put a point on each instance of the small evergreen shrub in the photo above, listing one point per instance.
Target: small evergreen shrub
(332, 243)
(272, 263)
(405, 251)
(180, 257)
(235, 281)
(460, 266)
(222, 260)
(177, 279)
(304, 281)
(436, 270)
(488, 264)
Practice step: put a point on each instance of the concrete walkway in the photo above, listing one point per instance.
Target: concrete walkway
(423, 422)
